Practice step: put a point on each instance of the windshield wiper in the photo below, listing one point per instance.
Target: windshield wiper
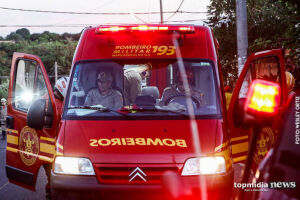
(100, 109)
(154, 109)
(124, 112)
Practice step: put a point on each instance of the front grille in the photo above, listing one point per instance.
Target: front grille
(119, 173)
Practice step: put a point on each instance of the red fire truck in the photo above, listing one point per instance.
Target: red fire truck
(172, 139)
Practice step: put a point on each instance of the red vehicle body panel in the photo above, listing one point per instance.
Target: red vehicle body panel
(46, 136)
(103, 46)
(240, 136)
(81, 138)
(131, 152)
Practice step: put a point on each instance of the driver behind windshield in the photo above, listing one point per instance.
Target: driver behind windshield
(178, 90)
(104, 95)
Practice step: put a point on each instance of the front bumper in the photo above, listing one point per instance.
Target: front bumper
(173, 187)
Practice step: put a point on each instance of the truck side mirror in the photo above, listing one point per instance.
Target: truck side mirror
(262, 102)
(36, 114)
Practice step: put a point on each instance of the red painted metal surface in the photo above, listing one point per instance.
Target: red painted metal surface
(141, 45)
(242, 135)
(84, 133)
(94, 139)
(13, 158)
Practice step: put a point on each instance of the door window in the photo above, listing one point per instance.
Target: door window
(41, 88)
(267, 69)
(246, 83)
(27, 87)
(24, 82)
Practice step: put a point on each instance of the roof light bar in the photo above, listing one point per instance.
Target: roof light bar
(263, 98)
(145, 28)
(111, 29)
(184, 28)
(163, 28)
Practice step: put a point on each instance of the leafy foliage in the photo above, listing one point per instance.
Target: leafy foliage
(271, 24)
(50, 47)
(24, 33)
(4, 89)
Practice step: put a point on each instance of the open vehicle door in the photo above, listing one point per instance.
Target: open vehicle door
(266, 65)
(29, 148)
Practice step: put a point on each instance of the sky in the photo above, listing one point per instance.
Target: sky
(11, 18)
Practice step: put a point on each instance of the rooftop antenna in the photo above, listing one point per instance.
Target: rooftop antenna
(161, 12)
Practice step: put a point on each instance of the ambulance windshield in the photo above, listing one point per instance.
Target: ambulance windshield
(157, 88)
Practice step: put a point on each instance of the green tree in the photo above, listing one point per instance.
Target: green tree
(222, 20)
(4, 89)
(24, 33)
(4, 62)
(14, 36)
(50, 47)
(271, 24)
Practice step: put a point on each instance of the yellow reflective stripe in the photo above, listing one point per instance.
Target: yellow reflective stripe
(239, 138)
(31, 154)
(60, 146)
(47, 139)
(47, 148)
(12, 139)
(45, 158)
(241, 147)
(226, 154)
(12, 130)
(12, 149)
(59, 154)
(239, 158)
(221, 146)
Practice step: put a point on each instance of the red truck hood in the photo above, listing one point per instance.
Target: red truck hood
(159, 141)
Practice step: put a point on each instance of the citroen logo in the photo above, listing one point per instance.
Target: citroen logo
(137, 172)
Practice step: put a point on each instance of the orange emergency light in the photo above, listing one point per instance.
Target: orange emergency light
(263, 98)
(145, 28)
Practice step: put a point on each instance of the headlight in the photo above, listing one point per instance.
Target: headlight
(73, 165)
(204, 165)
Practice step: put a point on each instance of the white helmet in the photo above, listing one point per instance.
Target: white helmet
(3, 100)
(62, 85)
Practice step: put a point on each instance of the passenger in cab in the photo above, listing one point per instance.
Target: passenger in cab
(104, 95)
(60, 91)
(3, 111)
(179, 90)
(290, 83)
(228, 95)
(133, 78)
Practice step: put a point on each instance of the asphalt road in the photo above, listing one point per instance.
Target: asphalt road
(9, 191)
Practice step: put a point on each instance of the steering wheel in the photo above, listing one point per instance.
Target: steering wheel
(196, 101)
